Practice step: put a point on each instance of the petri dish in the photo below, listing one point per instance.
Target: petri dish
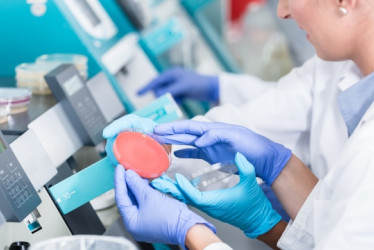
(31, 76)
(14, 100)
(203, 175)
(84, 242)
(79, 61)
(4, 112)
(142, 153)
(212, 174)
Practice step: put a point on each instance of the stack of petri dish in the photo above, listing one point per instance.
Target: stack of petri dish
(13, 101)
(31, 76)
(79, 61)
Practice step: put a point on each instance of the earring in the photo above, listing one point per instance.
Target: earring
(343, 10)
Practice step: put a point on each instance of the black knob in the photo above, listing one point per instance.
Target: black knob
(19, 245)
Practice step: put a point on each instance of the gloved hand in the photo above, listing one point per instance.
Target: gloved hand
(182, 83)
(216, 142)
(137, 200)
(244, 205)
(130, 121)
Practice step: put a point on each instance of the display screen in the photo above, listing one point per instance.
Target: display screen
(88, 12)
(2, 146)
(72, 85)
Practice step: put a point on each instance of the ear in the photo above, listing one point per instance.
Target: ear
(348, 4)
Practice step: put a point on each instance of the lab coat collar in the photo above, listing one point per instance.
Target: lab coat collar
(351, 76)
(354, 101)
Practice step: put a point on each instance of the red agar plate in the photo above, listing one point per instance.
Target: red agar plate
(141, 153)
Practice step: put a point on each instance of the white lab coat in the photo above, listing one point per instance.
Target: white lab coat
(338, 214)
(301, 112)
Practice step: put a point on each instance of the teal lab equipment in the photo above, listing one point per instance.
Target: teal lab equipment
(109, 38)
(95, 29)
(83, 186)
(163, 109)
(97, 179)
(28, 36)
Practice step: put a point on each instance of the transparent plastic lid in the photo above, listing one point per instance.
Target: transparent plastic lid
(77, 59)
(14, 96)
(35, 68)
(142, 153)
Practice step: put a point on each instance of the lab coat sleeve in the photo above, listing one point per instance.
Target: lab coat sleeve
(280, 111)
(299, 233)
(338, 214)
(238, 89)
(218, 246)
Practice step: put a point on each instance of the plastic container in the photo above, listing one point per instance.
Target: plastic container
(31, 76)
(79, 61)
(85, 242)
(4, 112)
(13, 101)
(142, 153)
(213, 174)
(203, 175)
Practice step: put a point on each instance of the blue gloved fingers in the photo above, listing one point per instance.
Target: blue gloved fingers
(121, 192)
(193, 153)
(189, 127)
(168, 187)
(164, 78)
(245, 168)
(182, 127)
(217, 135)
(178, 139)
(138, 186)
(192, 194)
(128, 122)
(109, 151)
(177, 90)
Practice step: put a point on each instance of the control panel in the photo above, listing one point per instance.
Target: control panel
(18, 196)
(77, 101)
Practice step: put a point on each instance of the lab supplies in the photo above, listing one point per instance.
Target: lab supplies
(13, 101)
(79, 61)
(30, 76)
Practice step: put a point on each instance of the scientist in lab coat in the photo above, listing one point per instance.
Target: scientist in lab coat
(322, 111)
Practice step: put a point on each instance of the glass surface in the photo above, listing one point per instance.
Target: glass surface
(72, 85)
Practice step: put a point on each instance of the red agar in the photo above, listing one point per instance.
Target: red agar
(141, 153)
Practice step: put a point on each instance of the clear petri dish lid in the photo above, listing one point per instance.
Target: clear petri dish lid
(35, 69)
(14, 96)
(65, 58)
(142, 152)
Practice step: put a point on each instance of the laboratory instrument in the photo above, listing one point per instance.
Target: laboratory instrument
(18, 196)
(69, 89)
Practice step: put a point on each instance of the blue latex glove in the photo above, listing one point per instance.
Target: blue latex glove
(182, 83)
(149, 215)
(244, 205)
(216, 142)
(130, 121)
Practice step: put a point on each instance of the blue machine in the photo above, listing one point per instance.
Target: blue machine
(109, 37)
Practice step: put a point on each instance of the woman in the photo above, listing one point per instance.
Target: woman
(334, 212)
